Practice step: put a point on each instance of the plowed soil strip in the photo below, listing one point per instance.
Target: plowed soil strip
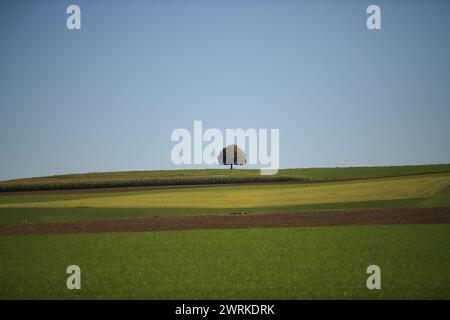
(263, 220)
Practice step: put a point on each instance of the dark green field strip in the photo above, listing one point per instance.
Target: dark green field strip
(210, 176)
(279, 263)
(345, 173)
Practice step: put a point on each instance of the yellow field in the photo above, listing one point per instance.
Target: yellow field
(260, 195)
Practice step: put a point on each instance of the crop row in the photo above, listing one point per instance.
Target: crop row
(145, 182)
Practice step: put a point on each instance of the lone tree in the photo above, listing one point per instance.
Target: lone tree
(232, 155)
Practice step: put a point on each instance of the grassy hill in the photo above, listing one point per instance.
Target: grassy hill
(210, 176)
(430, 190)
(274, 263)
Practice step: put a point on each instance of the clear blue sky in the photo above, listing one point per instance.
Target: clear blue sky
(107, 97)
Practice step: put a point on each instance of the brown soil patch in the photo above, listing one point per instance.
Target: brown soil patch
(263, 220)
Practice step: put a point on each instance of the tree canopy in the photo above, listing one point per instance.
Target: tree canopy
(232, 155)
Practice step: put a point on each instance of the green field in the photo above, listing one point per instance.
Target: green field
(211, 176)
(277, 263)
(293, 263)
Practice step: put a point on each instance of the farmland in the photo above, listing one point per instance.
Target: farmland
(293, 263)
(408, 191)
(327, 261)
(212, 176)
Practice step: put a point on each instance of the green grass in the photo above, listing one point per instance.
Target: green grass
(210, 176)
(292, 263)
(413, 191)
